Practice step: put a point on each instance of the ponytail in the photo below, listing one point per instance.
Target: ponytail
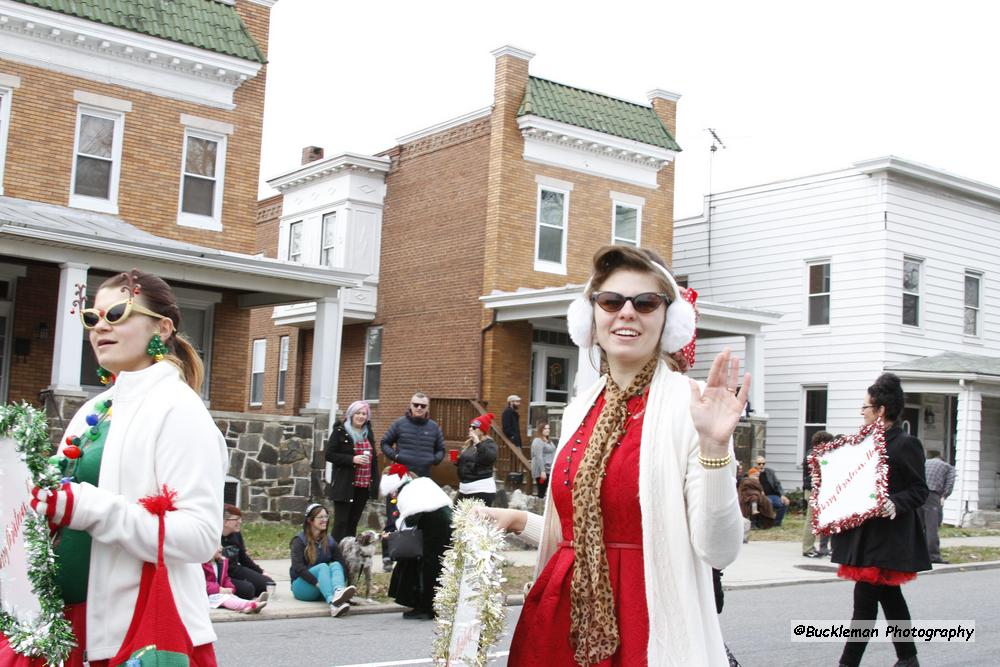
(187, 360)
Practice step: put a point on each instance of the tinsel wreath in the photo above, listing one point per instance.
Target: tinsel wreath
(478, 548)
(49, 636)
(816, 462)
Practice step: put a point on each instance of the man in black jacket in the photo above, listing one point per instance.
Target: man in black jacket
(773, 490)
(415, 440)
(511, 420)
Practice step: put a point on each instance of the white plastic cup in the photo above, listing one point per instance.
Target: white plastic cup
(272, 591)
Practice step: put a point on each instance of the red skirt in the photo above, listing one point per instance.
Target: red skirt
(877, 576)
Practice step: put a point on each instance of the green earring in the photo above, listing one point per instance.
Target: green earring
(104, 375)
(156, 348)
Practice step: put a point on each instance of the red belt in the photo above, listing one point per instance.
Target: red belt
(568, 544)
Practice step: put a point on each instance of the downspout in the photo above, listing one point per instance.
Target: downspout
(482, 352)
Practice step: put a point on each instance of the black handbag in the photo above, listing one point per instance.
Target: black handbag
(405, 544)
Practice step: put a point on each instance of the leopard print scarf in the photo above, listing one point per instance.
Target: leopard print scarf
(593, 623)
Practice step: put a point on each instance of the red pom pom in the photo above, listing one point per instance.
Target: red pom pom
(72, 452)
(398, 469)
(161, 504)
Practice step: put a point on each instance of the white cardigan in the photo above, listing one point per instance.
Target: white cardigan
(691, 522)
(160, 434)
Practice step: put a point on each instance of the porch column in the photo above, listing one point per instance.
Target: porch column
(965, 497)
(754, 364)
(326, 356)
(67, 353)
(587, 363)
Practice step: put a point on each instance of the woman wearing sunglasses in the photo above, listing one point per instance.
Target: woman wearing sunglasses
(642, 501)
(147, 431)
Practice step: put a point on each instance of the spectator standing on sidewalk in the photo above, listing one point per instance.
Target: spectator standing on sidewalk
(351, 450)
(543, 451)
(475, 463)
(249, 578)
(511, 420)
(772, 489)
(415, 440)
(808, 539)
(940, 482)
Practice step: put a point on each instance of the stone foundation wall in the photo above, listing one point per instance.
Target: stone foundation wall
(278, 460)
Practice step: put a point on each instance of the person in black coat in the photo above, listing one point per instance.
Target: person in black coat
(511, 421)
(249, 578)
(887, 551)
(351, 450)
(475, 463)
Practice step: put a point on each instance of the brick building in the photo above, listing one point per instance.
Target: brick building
(474, 235)
(130, 136)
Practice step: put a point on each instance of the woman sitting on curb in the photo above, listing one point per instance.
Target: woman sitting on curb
(317, 569)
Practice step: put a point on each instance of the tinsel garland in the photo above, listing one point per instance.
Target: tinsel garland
(877, 430)
(50, 635)
(478, 547)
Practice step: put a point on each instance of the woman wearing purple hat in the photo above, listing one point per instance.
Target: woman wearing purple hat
(355, 469)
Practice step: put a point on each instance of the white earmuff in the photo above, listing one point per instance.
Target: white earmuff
(677, 332)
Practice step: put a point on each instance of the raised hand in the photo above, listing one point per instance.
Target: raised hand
(717, 409)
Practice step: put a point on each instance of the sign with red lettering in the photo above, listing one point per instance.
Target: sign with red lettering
(16, 595)
(849, 479)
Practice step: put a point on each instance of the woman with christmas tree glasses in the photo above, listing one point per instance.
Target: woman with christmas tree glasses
(642, 500)
(148, 431)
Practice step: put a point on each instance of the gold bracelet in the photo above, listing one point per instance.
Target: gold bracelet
(715, 463)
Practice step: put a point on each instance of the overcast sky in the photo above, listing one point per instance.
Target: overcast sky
(791, 88)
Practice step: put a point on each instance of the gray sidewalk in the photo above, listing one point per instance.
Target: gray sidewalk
(760, 564)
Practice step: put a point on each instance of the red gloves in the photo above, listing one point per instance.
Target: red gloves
(56, 505)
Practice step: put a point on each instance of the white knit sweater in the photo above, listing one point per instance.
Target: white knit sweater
(691, 522)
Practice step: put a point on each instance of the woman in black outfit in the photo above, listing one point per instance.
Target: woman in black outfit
(475, 463)
(355, 469)
(887, 551)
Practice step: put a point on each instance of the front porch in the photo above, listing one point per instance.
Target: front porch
(953, 406)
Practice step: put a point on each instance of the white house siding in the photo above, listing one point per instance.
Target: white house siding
(951, 234)
(761, 239)
(989, 455)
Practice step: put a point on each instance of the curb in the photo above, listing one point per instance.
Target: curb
(958, 567)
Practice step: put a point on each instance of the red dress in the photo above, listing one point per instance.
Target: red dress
(542, 635)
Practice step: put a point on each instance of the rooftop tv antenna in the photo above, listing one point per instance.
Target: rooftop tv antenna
(717, 143)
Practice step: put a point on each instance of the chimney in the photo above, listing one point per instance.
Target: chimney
(510, 77)
(665, 105)
(311, 154)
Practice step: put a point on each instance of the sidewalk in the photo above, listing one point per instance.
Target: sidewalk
(759, 565)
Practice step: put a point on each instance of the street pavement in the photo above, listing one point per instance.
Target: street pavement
(759, 565)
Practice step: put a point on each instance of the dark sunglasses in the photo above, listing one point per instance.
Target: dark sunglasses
(419, 405)
(646, 302)
(116, 314)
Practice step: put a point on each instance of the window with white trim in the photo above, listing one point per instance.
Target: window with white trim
(5, 97)
(257, 372)
(819, 293)
(912, 268)
(295, 242)
(627, 220)
(973, 290)
(373, 364)
(814, 399)
(202, 170)
(550, 230)
(282, 368)
(97, 153)
(326, 257)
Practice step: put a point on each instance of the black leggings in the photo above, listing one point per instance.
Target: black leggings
(867, 598)
(347, 514)
(487, 498)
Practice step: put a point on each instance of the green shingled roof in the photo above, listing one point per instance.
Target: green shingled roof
(205, 24)
(593, 111)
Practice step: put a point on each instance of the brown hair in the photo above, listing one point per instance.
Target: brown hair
(307, 531)
(542, 423)
(610, 258)
(231, 510)
(154, 293)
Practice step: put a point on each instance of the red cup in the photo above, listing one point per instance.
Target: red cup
(453, 455)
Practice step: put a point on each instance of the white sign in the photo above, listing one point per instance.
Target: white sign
(16, 596)
(464, 646)
(849, 480)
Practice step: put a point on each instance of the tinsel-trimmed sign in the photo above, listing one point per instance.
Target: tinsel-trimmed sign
(850, 480)
(30, 606)
(469, 601)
